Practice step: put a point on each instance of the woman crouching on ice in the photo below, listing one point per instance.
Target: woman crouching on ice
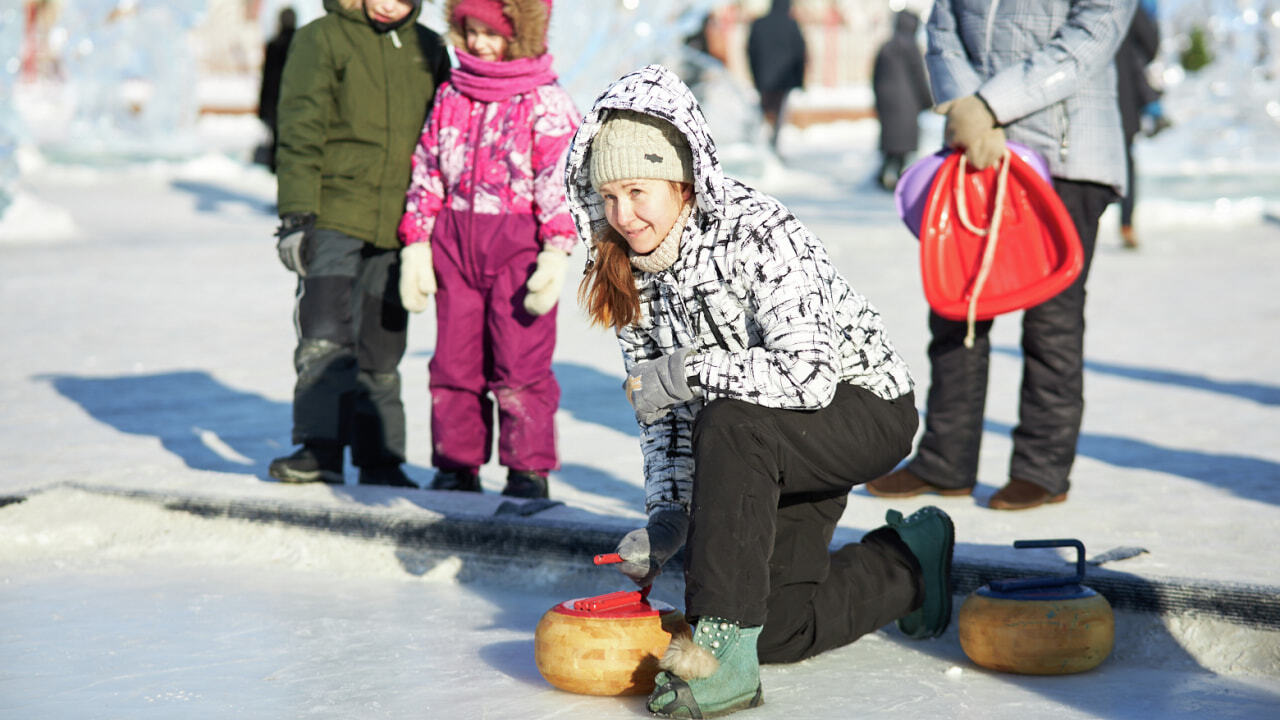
(765, 389)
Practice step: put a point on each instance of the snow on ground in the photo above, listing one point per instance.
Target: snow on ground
(148, 346)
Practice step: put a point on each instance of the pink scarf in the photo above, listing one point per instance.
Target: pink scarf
(492, 81)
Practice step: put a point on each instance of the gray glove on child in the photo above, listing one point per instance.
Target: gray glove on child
(653, 386)
(645, 550)
(972, 126)
(293, 237)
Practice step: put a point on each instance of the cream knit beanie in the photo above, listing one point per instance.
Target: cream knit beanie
(632, 145)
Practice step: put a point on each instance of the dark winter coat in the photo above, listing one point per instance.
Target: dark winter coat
(1136, 52)
(352, 105)
(776, 51)
(901, 88)
(272, 67)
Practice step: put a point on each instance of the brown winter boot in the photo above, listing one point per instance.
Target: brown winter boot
(1129, 237)
(904, 483)
(1023, 495)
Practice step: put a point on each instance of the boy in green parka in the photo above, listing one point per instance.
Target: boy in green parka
(357, 86)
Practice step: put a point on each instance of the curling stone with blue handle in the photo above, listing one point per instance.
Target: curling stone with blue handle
(1038, 626)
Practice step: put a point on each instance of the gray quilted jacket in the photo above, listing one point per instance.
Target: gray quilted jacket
(1046, 69)
(753, 294)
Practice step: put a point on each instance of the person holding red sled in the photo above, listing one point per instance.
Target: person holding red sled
(1042, 73)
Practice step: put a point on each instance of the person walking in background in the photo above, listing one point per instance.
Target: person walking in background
(355, 91)
(902, 93)
(765, 387)
(1136, 94)
(776, 55)
(486, 229)
(1039, 72)
(272, 67)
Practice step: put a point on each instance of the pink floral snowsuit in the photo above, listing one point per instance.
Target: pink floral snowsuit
(487, 191)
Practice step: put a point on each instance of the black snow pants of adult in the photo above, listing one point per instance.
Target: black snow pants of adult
(1051, 403)
(351, 336)
(769, 486)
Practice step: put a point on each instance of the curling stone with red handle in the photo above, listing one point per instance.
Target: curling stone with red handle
(1038, 626)
(605, 645)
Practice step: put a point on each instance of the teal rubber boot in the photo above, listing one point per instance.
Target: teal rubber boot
(931, 536)
(714, 673)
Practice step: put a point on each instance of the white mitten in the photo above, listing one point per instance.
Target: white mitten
(547, 280)
(417, 276)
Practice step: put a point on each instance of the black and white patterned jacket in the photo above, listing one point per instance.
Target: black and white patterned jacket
(768, 318)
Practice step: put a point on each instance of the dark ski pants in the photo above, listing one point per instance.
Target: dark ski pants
(1051, 402)
(1131, 196)
(769, 486)
(351, 336)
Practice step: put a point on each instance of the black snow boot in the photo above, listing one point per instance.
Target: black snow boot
(458, 480)
(390, 475)
(526, 484)
(313, 462)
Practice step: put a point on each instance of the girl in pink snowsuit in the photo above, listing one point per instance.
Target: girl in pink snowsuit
(487, 225)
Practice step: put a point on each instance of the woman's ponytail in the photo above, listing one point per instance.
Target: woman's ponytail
(608, 289)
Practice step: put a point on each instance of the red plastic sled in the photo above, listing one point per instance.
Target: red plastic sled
(1036, 256)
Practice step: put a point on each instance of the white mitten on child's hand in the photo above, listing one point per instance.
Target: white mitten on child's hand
(417, 276)
(546, 281)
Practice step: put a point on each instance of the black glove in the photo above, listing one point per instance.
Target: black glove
(294, 235)
(645, 550)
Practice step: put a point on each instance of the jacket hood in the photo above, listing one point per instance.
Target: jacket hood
(529, 21)
(652, 90)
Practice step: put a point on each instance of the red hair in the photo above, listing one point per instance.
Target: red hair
(608, 289)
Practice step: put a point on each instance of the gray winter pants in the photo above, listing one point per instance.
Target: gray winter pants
(769, 487)
(351, 336)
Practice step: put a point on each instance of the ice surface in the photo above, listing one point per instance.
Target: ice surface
(119, 609)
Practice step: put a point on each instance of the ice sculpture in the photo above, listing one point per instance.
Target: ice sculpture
(10, 123)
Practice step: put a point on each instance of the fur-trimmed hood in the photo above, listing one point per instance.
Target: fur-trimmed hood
(529, 21)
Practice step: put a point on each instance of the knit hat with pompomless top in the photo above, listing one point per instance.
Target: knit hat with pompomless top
(632, 145)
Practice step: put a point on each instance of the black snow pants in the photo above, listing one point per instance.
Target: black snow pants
(1051, 403)
(351, 336)
(769, 486)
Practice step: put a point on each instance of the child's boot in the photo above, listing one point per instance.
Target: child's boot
(526, 484)
(714, 672)
(313, 462)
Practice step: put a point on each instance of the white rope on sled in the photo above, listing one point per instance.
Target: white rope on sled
(992, 233)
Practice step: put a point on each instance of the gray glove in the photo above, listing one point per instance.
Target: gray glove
(971, 126)
(645, 550)
(293, 236)
(653, 386)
